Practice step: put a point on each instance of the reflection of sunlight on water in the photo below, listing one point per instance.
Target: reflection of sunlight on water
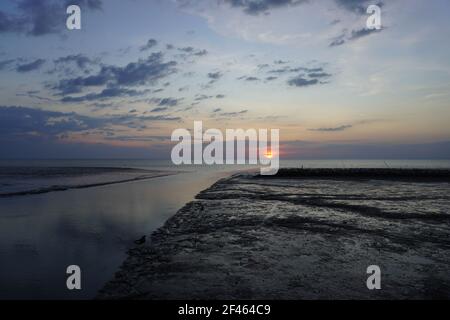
(91, 227)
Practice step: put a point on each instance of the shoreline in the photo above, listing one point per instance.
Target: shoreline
(139, 175)
(299, 236)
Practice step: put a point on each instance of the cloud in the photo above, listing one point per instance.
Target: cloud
(200, 97)
(139, 138)
(166, 102)
(201, 53)
(337, 42)
(80, 60)
(34, 95)
(215, 75)
(255, 7)
(387, 150)
(319, 75)
(160, 118)
(35, 133)
(289, 69)
(306, 76)
(299, 81)
(24, 121)
(143, 72)
(150, 44)
(19, 124)
(159, 109)
(357, 6)
(191, 51)
(248, 78)
(233, 114)
(354, 35)
(5, 63)
(27, 67)
(335, 129)
(105, 94)
(37, 18)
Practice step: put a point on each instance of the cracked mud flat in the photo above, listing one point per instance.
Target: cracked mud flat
(299, 236)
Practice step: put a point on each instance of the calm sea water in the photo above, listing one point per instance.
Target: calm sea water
(40, 235)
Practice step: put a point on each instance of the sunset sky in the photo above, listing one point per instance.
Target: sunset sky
(139, 69)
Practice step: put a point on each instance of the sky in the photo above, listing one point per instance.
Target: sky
(138, 69)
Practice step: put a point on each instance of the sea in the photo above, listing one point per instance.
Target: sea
(49, 220)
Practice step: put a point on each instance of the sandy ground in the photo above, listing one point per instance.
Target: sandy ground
(307, 237)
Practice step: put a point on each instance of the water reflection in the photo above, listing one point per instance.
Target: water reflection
(41, 235)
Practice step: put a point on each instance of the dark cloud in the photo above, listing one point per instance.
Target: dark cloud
(41, 17)
(220, 96)
(233, 114)
(335, 129)
(305, 76)
(105, 94)
(357, 6)
(299, 81)
(99, 105)
(335, 22)
(254, 7)
(248, 78)
(150, 44)
(200, 97)
(191, 51)
(139, 138)
(27, 67)
(89, 4)
(289, 69)
(187, 49)
(160, 118)
(159, 109)
(215, 75)
(319, 75)
(143, 72)
(337, 42)
(201, 53)
(24, 120)
(80, 60)
(166, 102)
(356, 34)
(280, 71)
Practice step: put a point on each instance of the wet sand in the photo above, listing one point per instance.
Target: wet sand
(303, 234)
